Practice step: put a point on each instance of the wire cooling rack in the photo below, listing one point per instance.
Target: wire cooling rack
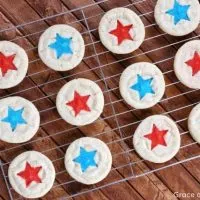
(118, 121)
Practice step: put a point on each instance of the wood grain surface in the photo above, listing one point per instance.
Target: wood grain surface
(23, 21)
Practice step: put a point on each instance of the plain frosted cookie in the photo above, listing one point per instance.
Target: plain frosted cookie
(19, 120)
(61, 47)
(194, 123)
(13, 64)
(88, 160)
(142, 85)
(187, 64)
(31, 174)
(121, 30)
(157, 139)
(80, 102)
(177, 17)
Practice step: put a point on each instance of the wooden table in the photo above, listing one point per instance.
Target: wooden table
(23, 21)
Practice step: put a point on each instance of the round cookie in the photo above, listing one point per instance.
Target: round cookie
(61, 47)
(142, 85)
(88, 160)
(177, 17)
(13, 64)
(157, 139)
(80, 102)
(31, 174)
(121, 31)
(187, 64)
(194, 123)
(19, 120)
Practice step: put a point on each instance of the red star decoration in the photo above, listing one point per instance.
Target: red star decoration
(79, 103)
(122, 32)
(157, 137)
(194, 63)
(30, 174)
(6, 63)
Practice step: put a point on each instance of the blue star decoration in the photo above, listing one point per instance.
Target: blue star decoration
(14, 118)
(86, 159)
(62, 45)
(143, 86)
(179, 12)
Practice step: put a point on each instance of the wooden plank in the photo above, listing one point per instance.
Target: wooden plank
(3, 189)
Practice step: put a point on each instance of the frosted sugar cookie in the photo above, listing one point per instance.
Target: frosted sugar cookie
(177, 17)
(88, 160)
(61, 47)
(31, 174)
(157, 139)
(121, 30)
(80, 102)
(13, 64)
(19, 120)
(187, 64)
(142, 85)
(194, 123)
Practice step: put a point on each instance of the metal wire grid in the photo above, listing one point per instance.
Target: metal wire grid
(111, 103)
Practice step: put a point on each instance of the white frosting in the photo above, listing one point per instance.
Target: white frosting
(159, 154)
(166, 21)
(46, 174)
(103, 159)
(129, 78)
(66, 61)
(23, 132)
(109, 23)
(13, 77)
(184, 71)
(84, 87)
(194, 123)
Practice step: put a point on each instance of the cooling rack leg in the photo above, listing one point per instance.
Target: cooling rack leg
(6, 181)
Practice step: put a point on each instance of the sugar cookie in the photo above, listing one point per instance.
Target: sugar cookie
(61, 47)
(157, 139)
(121, 31)
(88, 160)
(177, 17)
(13, 64)
(80, 102)
(142, 85)
(31, 174)
(194, 123)
(19, 120)
(187, 64)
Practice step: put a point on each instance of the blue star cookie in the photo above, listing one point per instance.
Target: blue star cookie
(143, 86)
(86, 159)
(62, 45)
(14, 118)
(179, 12)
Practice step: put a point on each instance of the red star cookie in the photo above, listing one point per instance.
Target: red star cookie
(30, 174)
(6, 63)
(122, 32)
(194, 63)
(161, 143)
(79, 103)
(157, 137)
